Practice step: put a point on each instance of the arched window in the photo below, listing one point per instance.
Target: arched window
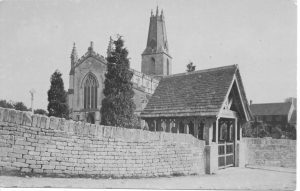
(90, 92)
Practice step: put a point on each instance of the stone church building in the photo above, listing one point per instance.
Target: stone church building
(87, 74)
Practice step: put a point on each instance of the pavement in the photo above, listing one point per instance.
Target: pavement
(252, 178)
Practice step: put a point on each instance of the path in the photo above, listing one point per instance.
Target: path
(230, 178)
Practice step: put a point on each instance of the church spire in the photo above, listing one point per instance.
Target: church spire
(155, 58)
(157, 36)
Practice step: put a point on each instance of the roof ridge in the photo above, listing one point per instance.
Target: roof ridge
(201, 71)
(271, 103)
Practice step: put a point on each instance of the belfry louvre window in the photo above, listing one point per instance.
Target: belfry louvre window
(90, 92)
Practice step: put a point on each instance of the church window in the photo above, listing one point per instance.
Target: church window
(90, 92)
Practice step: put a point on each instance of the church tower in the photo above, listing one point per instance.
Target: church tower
(156, 60)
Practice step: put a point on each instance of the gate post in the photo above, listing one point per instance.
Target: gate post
(211, 148)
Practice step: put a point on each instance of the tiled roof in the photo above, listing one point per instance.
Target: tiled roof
(270, 108)
(188, 94)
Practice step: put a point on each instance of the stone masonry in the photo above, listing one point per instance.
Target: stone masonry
(270, 152)
(36, 144)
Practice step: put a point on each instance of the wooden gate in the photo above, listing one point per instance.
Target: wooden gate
(226, 154)
(226, 143)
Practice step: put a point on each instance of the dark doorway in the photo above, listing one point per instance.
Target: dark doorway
(91, 118)
(191, 128)
(181, 127)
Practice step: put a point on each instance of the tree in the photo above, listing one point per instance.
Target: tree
(40, 111)
(118, 106)
(20, 106)
(57, 97)
(255, 129)
(14, 105)
(190, 67)
(6, 104)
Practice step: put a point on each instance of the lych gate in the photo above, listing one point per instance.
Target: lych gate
(210, 105)
(226, 142)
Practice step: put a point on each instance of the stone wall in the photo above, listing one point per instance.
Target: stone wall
(53, 146)
(270, 152)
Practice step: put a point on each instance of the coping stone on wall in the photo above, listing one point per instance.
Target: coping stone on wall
(99, 131)
(92, 130)
(1, 113)
(77, 127)
(27, 120)
(5, 115)
(119, 133)
(54, 123)
(36, 120)
(85, 130)
(19, 117)
(63, 125)
(71, 125)
(12, 116)
(45, 122)
(106, 131)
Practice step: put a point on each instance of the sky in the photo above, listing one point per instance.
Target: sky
(36, 38)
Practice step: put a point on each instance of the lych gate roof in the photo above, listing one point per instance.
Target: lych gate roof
(189, 94)
(270, 108)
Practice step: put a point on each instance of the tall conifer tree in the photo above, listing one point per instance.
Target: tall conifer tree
(118, 106)
(57, 97)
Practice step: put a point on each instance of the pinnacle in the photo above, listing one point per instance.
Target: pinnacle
(91, 48)
(74, 52)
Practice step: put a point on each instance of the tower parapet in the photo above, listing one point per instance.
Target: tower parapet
(144, 82)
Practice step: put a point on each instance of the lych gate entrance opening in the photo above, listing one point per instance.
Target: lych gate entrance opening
(226, 142)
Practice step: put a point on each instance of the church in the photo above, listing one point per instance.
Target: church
(210, 104)
(87, 74)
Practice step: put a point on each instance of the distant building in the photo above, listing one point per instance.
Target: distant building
(282, 115)
(87, 74)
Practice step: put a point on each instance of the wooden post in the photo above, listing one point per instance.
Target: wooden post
(196, 128)
(211, 148)
(217, 130)
(168, 128)
(158, 124)
(186, 129)
(236, 152)
(177, 125)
